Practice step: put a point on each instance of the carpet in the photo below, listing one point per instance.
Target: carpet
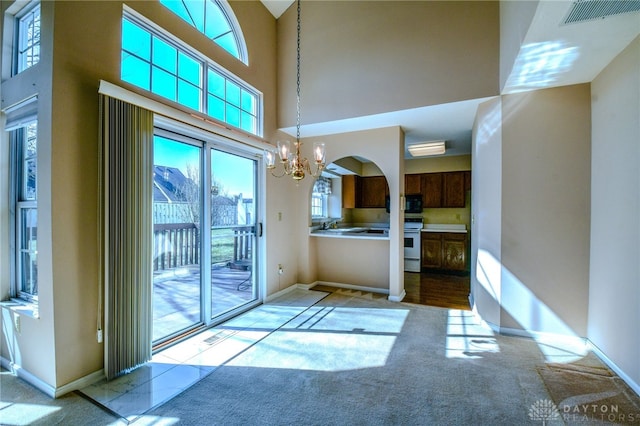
(588, 392)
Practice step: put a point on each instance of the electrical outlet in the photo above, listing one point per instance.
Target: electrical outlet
(17, 323)
(280, 269)
(99, 336)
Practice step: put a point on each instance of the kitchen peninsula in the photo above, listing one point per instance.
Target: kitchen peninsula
(353, 256)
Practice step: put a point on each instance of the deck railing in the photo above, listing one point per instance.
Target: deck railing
(178, 244)
(175, 244)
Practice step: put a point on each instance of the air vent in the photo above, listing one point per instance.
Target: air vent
(589, 10)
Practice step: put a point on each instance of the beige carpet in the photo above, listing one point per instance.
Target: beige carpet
(588, 392)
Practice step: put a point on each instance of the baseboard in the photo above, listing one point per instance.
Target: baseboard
(353, 287)
(398, 298)
(49, 390)
(281, 292)
(612, 365)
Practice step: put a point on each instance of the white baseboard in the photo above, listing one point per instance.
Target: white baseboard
(612, 365)
(352, 287)
(49, 390)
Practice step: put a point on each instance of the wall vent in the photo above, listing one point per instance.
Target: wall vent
(589, 10)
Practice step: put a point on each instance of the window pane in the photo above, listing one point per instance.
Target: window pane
(189, 95)
(233, 93)
(28, 51)
(233, 115)
(248, 102)
(135, 71)
(215, 107)
(228, 43)
(248, 122)
(29, 190)
(196, 11)
(216, 21)
(164, 56)
(136, 40)
(215, 83)
(28, 250)
(177, 7)
(189, 69)
(163, 83)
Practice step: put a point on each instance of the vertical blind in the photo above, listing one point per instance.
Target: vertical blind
(126, 137)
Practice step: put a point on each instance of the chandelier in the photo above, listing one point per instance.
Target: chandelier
(292, 163)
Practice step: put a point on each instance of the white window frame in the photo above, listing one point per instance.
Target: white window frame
(207, 64)
(24, 45)
(23, 202)
(319, 202)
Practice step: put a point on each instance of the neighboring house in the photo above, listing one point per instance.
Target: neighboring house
(556, 183)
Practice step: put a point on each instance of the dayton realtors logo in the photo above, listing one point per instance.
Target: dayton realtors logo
(543, 410)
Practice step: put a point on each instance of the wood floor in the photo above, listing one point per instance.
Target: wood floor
(445, 291)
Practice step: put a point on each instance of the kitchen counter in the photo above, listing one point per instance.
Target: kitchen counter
(356, 232)
(445, 227)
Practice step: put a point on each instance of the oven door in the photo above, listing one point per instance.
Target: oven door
(412, 250)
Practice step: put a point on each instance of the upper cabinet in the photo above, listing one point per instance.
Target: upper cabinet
(431, 190)
(373, 191)
(446, 189)
(453, 194)
(364, 191)
(412, 184)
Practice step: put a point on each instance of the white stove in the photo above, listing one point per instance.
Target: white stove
(412, 228)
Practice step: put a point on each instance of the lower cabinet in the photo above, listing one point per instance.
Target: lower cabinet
(446, 251)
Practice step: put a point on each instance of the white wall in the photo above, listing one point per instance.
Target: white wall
(614, 291)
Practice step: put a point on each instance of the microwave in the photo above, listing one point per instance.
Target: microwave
(412, 203)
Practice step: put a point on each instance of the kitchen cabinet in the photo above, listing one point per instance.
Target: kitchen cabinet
(364, 191)
(453, 194)
(446, 189)
(431, 190)
(373, 190)
(413, 184)
(431, 250)
(444, 250)
(350, 191)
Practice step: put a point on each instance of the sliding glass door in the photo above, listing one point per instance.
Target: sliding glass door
(177, 225)
(205, 241)
(233, 231)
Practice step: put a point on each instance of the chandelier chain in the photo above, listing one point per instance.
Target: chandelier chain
(298, 81)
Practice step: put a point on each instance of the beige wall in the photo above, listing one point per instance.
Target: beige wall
(614, 293)
(363, 57)
(546, 158)
(515, 19)
(61, 351)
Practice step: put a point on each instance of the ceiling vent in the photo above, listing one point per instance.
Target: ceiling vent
(589, 10)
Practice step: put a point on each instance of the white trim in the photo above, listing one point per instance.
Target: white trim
(201, 122)
(49, 390)
(612, 365)
(398, 298)
(354, 287)
(237, 31)
(277, 294)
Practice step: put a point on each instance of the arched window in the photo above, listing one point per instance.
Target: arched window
(214, 19)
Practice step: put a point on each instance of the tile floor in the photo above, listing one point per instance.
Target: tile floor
(180, 366)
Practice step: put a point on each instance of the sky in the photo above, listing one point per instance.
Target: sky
(234, 173)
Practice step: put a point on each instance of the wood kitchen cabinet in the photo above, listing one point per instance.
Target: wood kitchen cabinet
(373, 191)
(350, 191)
(413, 184)
(444, 251)
(431, 190)
(446, 189)
(364, 191)
(453, 193)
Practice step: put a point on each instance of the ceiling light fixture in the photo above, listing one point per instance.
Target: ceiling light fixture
(292, 163)
(427, 148)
